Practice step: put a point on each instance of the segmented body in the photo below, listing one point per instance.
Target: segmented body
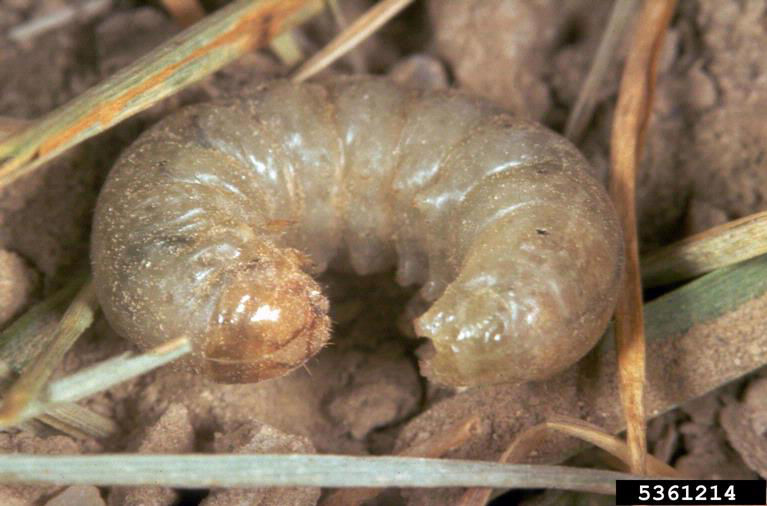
(210, 225)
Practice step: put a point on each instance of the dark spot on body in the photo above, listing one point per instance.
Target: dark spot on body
(162, 168)
(176, 240)
(252, 264)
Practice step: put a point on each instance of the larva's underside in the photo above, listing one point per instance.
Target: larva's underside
(211, 223)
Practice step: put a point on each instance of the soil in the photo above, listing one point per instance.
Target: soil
(705, 163)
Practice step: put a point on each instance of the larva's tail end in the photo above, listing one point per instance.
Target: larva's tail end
(482, 336)
(467, 333)
(269, 321)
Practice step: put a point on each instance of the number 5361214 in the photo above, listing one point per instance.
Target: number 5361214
(691, 492)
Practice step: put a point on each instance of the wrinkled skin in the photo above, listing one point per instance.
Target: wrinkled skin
(209, 226)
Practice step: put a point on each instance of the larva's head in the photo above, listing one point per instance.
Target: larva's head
(270, 319)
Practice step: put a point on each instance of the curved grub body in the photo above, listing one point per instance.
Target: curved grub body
(208, 224)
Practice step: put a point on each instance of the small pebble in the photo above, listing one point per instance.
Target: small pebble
(78, 495)
(420, 71)
(17, 282)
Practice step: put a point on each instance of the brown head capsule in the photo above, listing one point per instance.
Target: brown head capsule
(209, 225)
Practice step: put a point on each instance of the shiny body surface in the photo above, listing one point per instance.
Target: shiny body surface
(211, 223)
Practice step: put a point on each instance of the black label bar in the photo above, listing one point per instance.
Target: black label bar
(691, 492)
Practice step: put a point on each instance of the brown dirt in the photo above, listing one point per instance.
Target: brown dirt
(256, 437)
(171, 433)
(705, 163)
(27, 442)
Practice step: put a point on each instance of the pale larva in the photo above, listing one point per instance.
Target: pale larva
(208, 224)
